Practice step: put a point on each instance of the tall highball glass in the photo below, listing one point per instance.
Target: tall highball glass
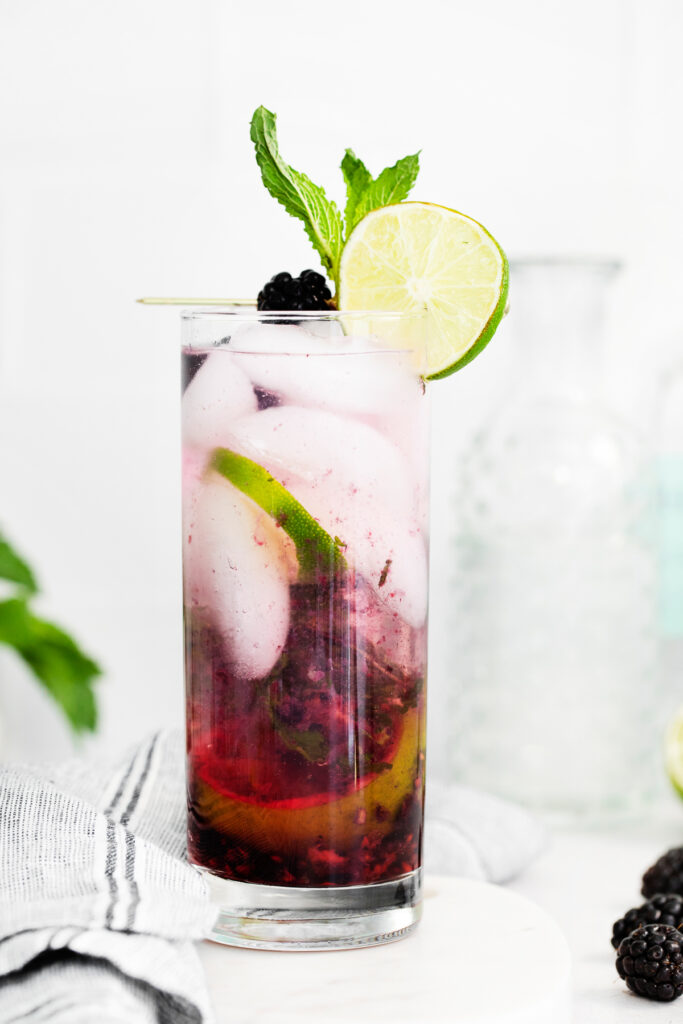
(305, 501)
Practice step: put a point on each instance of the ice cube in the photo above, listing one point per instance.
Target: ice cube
(273, 339)
(408, 429)
(357, 484)
(218, 393)
(389, 552)
(238, 566)
(312, 446)
(347, 374)
(193, 466)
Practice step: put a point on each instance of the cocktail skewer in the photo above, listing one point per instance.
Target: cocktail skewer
(153, 300)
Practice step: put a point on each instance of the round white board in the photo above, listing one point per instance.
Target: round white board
(481, 955)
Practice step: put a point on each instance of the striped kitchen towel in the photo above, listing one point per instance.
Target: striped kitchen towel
(99, 906)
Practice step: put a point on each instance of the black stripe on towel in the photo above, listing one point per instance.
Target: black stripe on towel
(127, 814)
(109, 868)
(130, 838)
(122, 785)
(130, 878)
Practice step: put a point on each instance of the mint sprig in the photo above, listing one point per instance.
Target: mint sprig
(363, 193)
(52, 655)
(307, 201)
(358, 180)
(297, 193)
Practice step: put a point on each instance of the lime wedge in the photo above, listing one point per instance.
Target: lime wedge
(315, 549)
(414, 256)
(673, 751)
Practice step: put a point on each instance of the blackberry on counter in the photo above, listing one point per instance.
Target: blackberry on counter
(665, 875)
(650, 961)
(664, 908)
(308, 291)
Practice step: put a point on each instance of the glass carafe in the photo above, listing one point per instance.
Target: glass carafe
(669, 464)
(556, 702)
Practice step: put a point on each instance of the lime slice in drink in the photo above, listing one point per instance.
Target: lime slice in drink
(415, 256)
(673, 751)
(231, 801)
(315, 548)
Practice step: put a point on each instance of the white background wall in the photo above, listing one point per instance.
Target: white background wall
(126, 169)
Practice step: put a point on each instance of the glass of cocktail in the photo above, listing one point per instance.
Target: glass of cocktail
(305, 492)
(305, 577)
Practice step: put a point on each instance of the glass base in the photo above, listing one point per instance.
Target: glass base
(289, 918)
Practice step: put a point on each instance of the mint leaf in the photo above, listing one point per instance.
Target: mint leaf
(358, 179)
(54, 658)
(14, 568)
(310, 743)
(297, 193)
(392, 186)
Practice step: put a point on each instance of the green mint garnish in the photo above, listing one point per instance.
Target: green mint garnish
(363, 193)
(298, 194)
(316, 550)
(307, 201)
(310, 743)
(51, 654)
(358, 179)
(14, 568)
(54, 658)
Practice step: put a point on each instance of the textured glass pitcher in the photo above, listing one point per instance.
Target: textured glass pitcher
(556, 703)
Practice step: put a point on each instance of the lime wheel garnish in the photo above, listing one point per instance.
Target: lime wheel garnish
(413, 257)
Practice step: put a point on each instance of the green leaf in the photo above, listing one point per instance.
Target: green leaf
(297, 193)
(55, 659)
(392, 186)
(358, 179)
(14, 568)
(310, 743)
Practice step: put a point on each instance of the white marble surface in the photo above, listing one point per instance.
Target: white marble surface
(585, 881)
(482, 955)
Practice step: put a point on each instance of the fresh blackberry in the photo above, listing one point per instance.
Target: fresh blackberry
(650, 961)
(664, 908)
(308, 291)
(665, 875)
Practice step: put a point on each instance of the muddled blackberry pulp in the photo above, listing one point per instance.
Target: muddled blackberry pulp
(313, 775)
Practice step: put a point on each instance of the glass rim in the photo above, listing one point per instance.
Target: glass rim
(245, 309)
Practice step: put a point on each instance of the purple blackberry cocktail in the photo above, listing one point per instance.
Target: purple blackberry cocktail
(305, 462)
(305, 566)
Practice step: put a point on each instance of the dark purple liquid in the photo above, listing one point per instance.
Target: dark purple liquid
(313, 776)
